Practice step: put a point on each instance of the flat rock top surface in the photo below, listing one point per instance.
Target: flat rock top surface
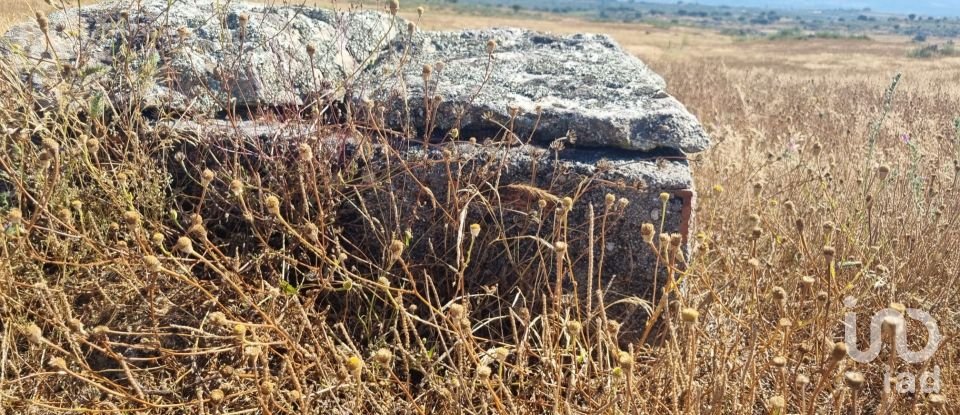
(199, 56)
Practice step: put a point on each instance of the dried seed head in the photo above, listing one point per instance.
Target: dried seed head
(785, 323)
(689, 315)
(456, 311)
(58, 363)
(184, 32)
(839, 351)
(791, 207)
(51, 145)
(625, 360)
(883, 171)
(573, 328)
(501, 354)
(216, 395)
(853, 380)
(664, 197)
(219, 318)
(313, 233)
(420, 11)
(383, 356)
(236, 187)
(777, 403)
(828, 227)
(157, 238)
(42, 22)
(609, 199)
(817, 148)
(647, 231)
(802, 380)
(778, 361)
(207, 176)
(396, 249)
(427, 71)
(131, 218)
(613, 327)
(184, 245)
(152, 262)
(822, 296)
(829, 252)
(15, 216)
(33, 333)
(394, 7)
(252, 351)
(779, 293)
(623, 202)
(75, 324)
(937, 400)
(475, 230)
(675, 240)
(483, 372)
(306, 152)
(560, 247)
(491, 46)
(243, 18)
(567, 203)
(756, 233)
(411, 26)
(93, 145)
(664, 240)
(807, 281)
(273, 205)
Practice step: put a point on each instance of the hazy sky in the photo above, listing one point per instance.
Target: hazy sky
(923, 7)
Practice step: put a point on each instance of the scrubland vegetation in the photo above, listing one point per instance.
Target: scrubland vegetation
(143, 271)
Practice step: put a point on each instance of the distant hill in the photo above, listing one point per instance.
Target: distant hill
(923, 8)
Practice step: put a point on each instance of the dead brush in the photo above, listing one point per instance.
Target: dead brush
(144, 271)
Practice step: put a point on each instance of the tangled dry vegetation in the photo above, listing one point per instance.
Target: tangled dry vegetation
(146, 271)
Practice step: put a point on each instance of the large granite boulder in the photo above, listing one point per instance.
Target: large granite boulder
(555, 117)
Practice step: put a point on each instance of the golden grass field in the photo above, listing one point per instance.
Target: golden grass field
(797, 210)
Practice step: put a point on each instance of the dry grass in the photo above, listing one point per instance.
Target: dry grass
(805, 200)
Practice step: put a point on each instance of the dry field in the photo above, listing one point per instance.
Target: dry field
(830, 179)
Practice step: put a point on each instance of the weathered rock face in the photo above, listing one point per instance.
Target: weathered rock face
(203, 56)
(620, 133)
(582, 87)
(517, 193)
